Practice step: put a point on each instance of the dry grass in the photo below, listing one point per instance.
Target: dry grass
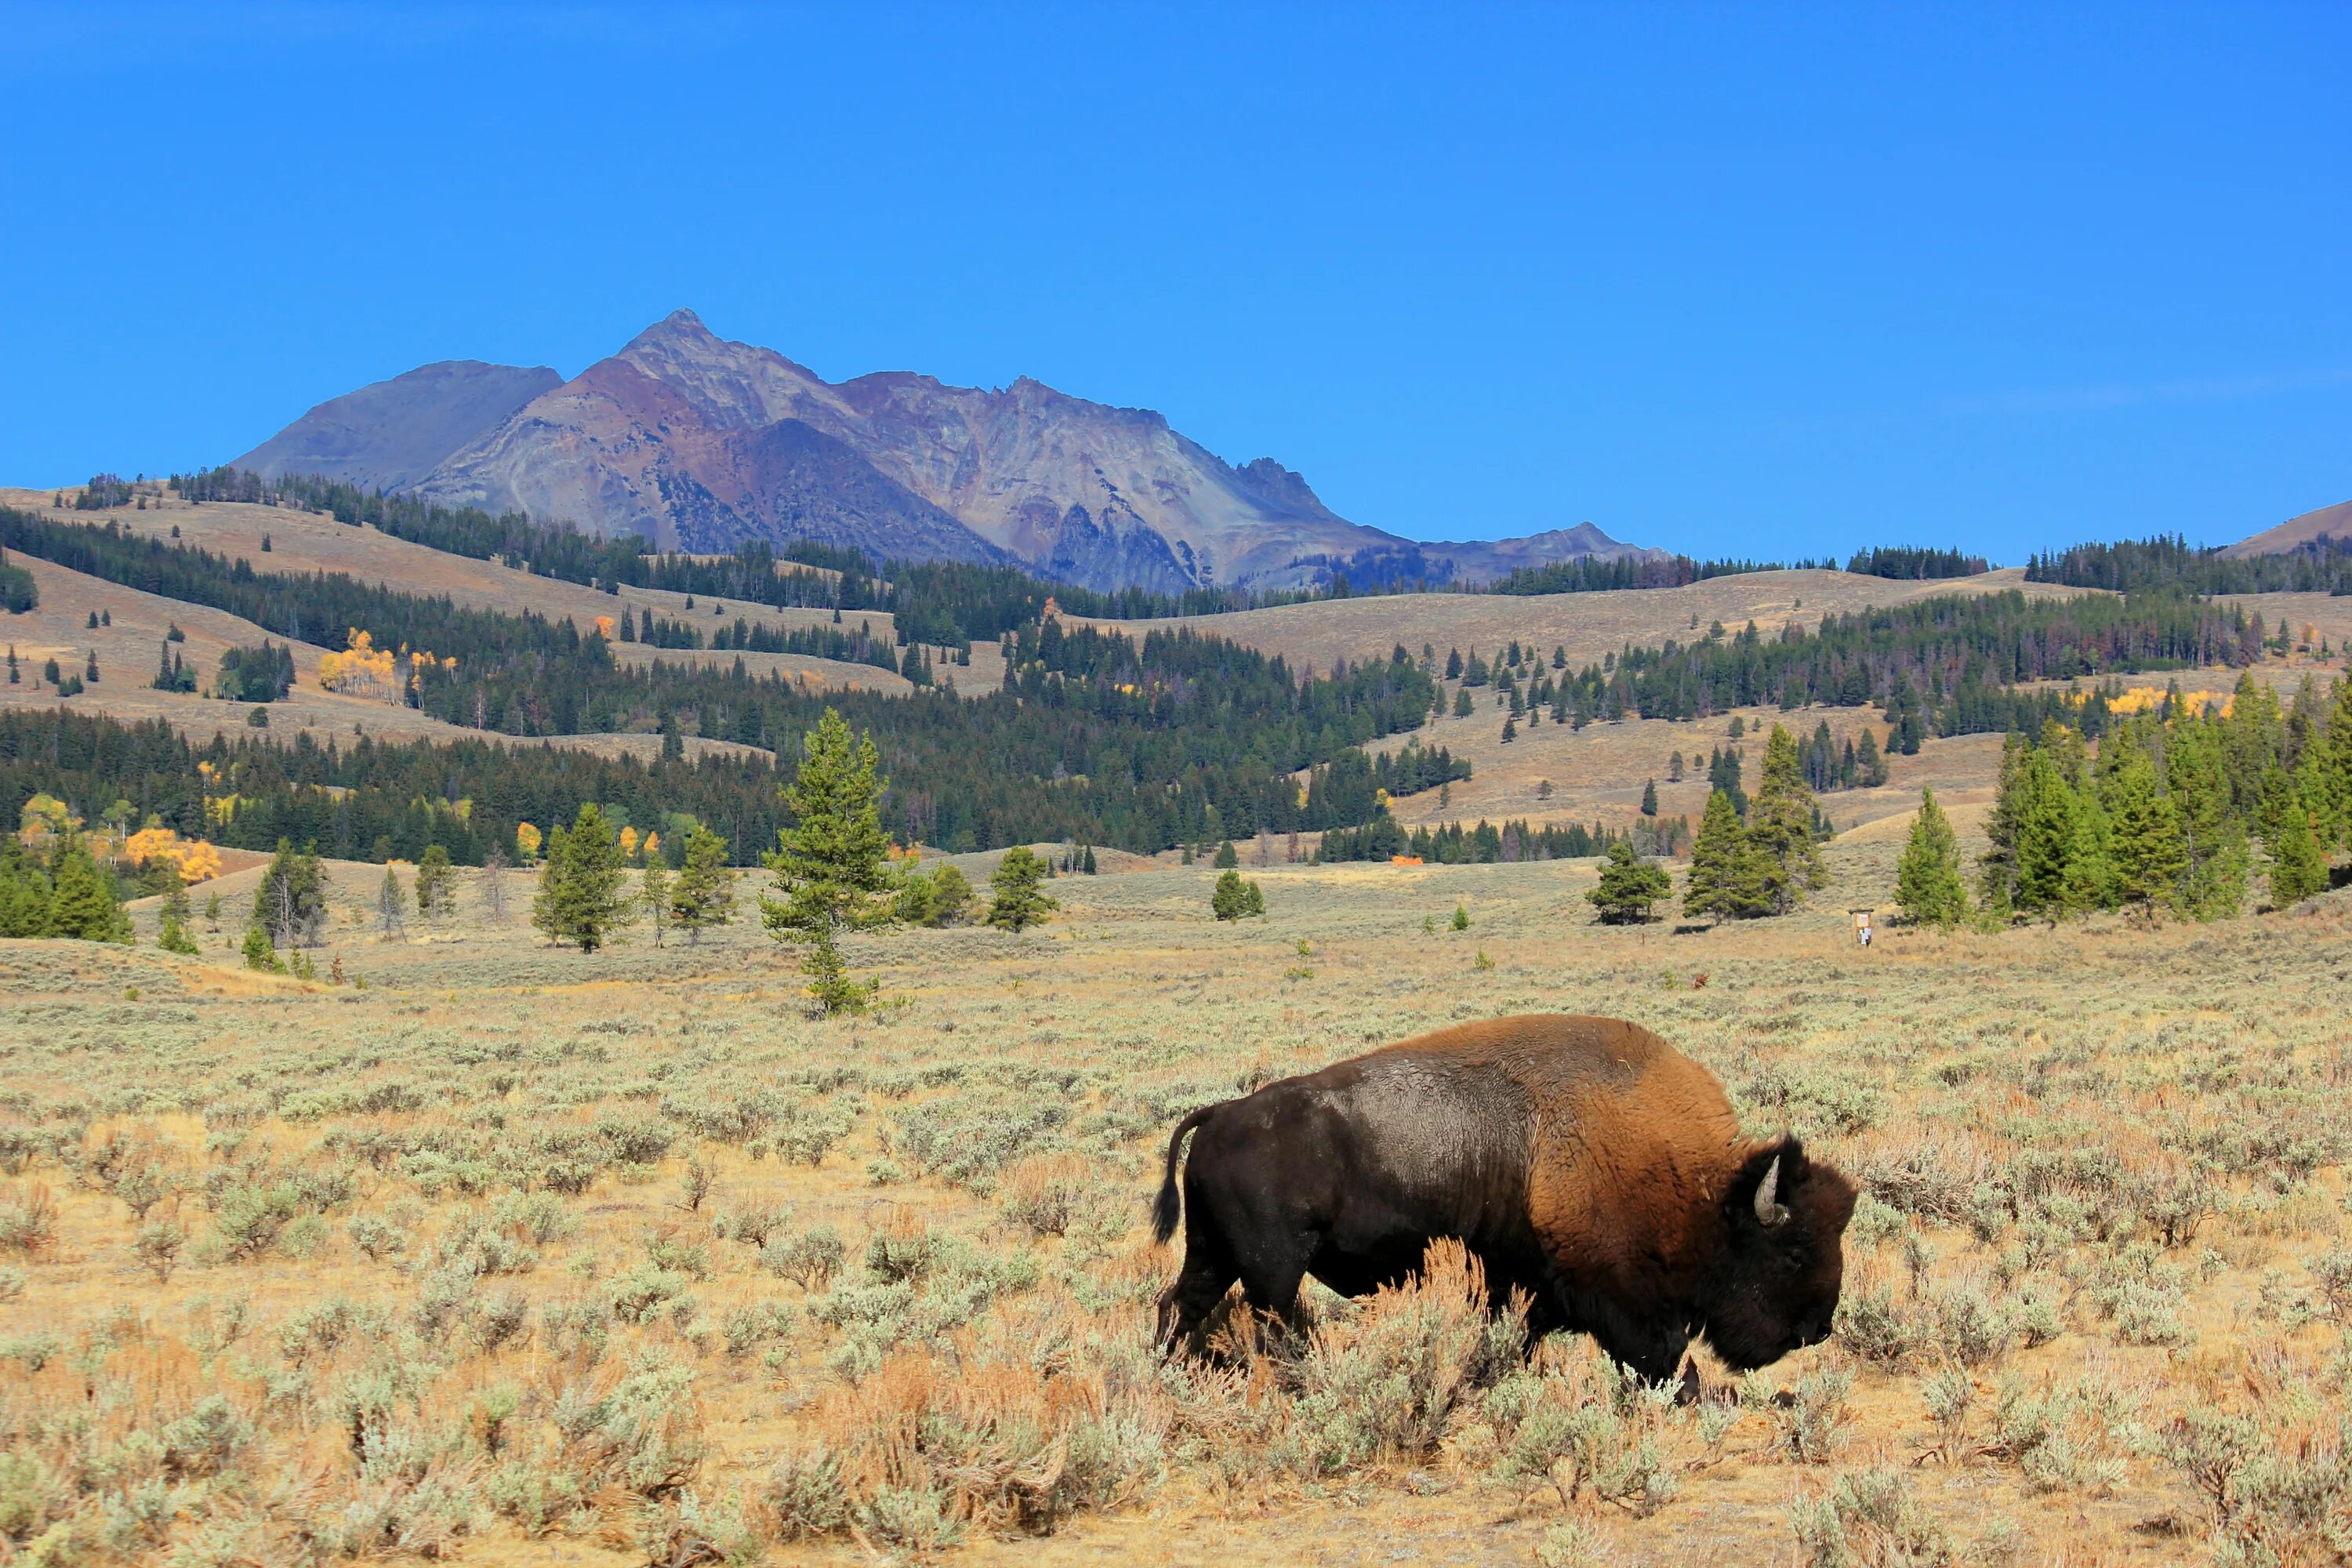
(449, 1273)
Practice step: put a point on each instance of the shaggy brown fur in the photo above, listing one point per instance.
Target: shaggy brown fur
(1585, 1160)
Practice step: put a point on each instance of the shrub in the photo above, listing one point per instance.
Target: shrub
(1870, 1518)
(28, 1220)
(808, 1258)
(1385, 1379)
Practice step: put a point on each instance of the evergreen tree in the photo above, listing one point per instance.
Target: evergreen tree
(704, 894)
(580, 899)
(437, 883)
(172, 915)
(2089, 881)
(655, 895)
(1086, 861)
(1630, 885)
(1650, 798)
(831, 864)
(1716, 862)
(1722, 770)
(24, 892)
(1869, 764)
(2145, 838)
(1235, 897)
(83, 902)
(390, 905)
(2213, 838)
(1927, 878)
(258, 953)
(2045, 834)
(1226, 858)
(1780, 825)
(290, 901)
(2298, 870)
(950, 896)
(1017, 903)
(1997, 882)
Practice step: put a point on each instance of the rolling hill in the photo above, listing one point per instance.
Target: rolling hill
(2328, 521)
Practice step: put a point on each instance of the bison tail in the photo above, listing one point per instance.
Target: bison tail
(1169, 1207)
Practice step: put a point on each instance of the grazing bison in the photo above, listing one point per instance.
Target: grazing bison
(1584, 1160)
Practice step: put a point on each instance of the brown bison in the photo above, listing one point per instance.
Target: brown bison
(1585, 1160)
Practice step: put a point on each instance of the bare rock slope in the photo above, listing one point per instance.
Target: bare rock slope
(697, 443)
(390, 434)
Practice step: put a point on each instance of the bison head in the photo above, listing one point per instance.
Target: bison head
(1776, 1282)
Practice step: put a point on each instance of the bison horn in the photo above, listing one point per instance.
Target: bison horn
(1768, 1211)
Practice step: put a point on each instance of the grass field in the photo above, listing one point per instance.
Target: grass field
(547, 1258)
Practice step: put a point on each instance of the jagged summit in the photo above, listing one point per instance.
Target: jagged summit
(699, 443)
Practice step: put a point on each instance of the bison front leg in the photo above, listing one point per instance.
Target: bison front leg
(1651, 1349)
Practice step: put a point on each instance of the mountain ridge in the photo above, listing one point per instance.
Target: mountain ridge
(699, 443)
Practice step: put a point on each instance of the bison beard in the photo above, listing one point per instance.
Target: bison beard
(1585, 1161)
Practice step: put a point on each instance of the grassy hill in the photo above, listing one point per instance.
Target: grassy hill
(1588, 625)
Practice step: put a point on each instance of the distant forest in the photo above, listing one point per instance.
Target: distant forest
(1142, 743)
(2323, 565)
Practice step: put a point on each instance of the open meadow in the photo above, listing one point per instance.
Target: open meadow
(530, 1257)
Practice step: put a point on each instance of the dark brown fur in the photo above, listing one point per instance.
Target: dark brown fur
(1585, 1160)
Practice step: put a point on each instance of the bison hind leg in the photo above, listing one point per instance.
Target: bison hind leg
(1186, 1304)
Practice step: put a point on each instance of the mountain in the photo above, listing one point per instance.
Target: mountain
(390, 435)
(2335, 521)
(698, 444)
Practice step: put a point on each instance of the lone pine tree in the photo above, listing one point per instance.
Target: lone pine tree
(1017, 903)
(831, 863)
(580, 900)
(1630, 885)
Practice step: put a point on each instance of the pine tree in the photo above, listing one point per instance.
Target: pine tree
(653, 894)
(1715, 861)
(1017, 903)
(950, 896)
(1927, 878)
(831, 865)
(2145, 837)
(1997, 879)
(1650, 798)
(1780, 825)
(580, 899)
(24, 892)
(2089, 881)
(390, 905)
(1630, 885)
(172, 915)
(83, 902)
(2213, 838)
(290, 901)
(1226, 858)
(704, 894)
(437, 883)
(2298, 870)
(1235, 897)
(2045, 834)
(258, 953)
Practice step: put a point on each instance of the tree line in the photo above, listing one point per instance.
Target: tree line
(2168, 561)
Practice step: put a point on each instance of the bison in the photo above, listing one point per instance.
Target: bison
(1586, 1163)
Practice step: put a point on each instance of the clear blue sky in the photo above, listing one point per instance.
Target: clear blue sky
(1730, 280)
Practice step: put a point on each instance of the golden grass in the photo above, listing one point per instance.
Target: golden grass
(2025, 1106)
